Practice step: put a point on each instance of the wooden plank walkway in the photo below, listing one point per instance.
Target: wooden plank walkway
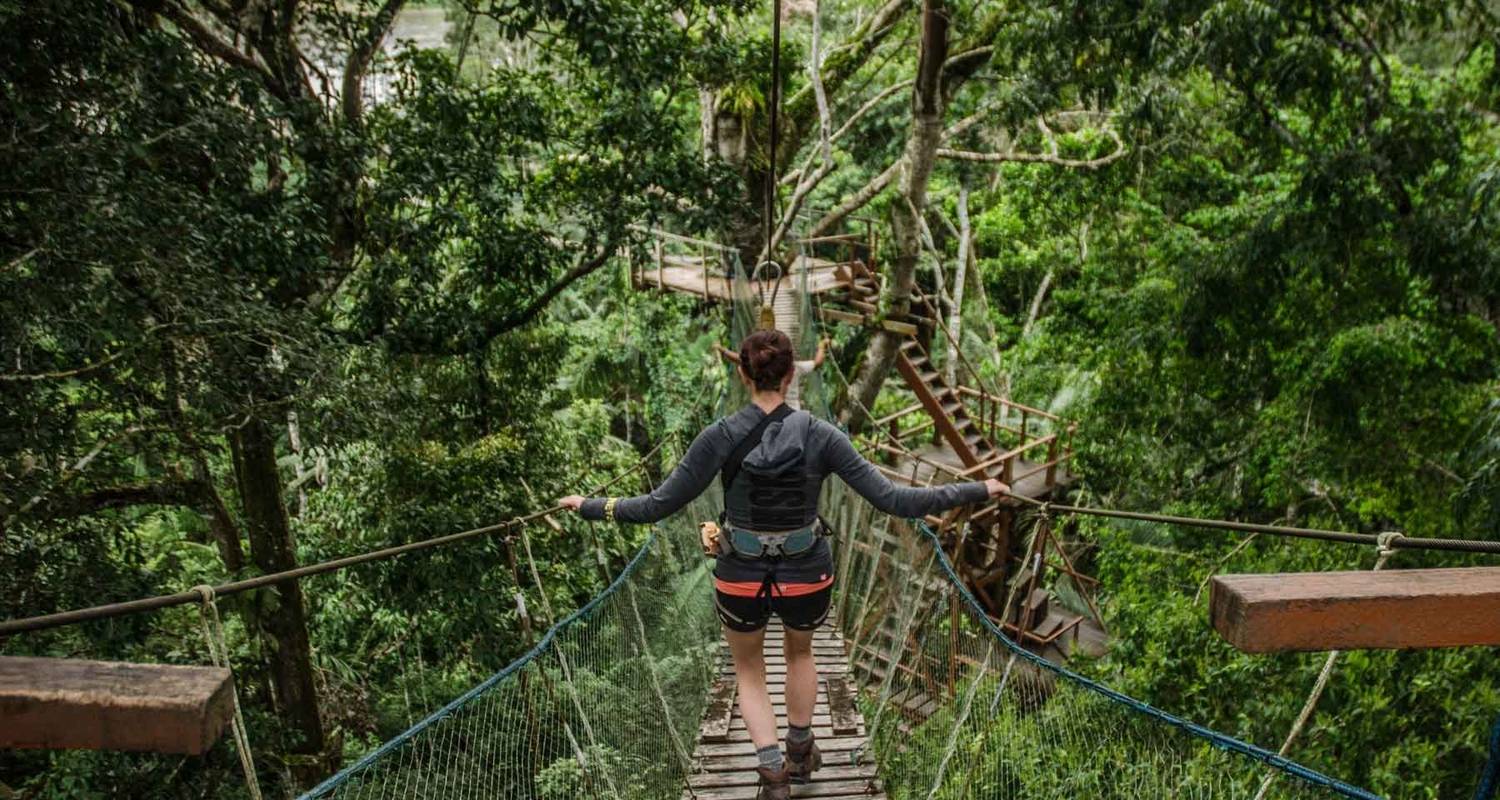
(726, 757)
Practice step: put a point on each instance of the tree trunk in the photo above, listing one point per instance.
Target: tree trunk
(1041, 292)
(220, 523)
(210, 504)
(960, 272)
(294, 438)
(918, 158)
(272, 550)
(707, 123)
(745, 230)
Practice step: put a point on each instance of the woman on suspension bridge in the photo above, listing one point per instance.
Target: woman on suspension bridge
(773, 555)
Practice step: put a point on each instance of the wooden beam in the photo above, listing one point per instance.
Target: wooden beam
(57, 703)
(1394, 609)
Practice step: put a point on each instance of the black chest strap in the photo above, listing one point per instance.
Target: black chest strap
(731, 468)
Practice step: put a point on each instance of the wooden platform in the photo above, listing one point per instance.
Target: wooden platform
(59, 703)
(686, 275)
(1033, 485)
(726, 757)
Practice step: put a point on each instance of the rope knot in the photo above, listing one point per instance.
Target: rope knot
(206, 594)
(1386, 541)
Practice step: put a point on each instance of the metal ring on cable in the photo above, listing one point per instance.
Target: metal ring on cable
(756, 273)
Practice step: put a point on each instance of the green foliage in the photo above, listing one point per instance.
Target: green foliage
(1280, 306)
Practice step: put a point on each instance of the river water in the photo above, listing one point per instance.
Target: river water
(423, 26)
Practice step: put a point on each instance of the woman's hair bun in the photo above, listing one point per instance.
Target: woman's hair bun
(766, 356)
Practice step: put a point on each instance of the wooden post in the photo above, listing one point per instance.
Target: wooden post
(994, 416)
(982, 429)
(1052, 461)
(58, 703)
(1025, 417)
(703, 257)
(1392, 609)
(660, 263)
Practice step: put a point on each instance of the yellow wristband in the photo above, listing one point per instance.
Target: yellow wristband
(609, 509)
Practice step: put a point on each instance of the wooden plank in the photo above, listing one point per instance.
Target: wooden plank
(835, 315)
(774, 671)
(903, 328)
(57, 703)
(841, 706)
(720, 711)
(739, 733)
(1394, 609)
(831, 745)
(829, 772)
(854, 788)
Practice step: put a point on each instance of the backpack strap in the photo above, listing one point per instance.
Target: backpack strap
(731, 468)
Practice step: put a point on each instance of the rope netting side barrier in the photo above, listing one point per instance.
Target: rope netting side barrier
(1489, 779)
(958, 709)
(606, 704)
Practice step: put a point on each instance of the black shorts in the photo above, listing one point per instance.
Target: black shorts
(802, 612)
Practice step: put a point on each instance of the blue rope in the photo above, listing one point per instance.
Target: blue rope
(1489, 780)
(326, 787)
(1213, 737)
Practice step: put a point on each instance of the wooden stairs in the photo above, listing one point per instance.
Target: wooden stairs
(942, 403)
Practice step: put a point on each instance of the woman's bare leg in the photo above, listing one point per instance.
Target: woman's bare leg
(801, 678)
(748, 652)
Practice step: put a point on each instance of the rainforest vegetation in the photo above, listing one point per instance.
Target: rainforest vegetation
(287, 280)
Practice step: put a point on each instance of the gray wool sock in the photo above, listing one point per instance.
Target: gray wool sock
(797, 734)
(771, 758)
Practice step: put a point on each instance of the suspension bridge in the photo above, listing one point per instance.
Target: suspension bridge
(937, 679)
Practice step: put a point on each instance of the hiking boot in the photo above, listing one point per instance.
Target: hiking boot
(803, 759)
(774, 785)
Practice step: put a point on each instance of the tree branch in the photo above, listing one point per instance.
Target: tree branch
(66, 373)
(1050, 157)
(579, 270)
(857, 200)
(878, 184)
(162, 493)
(361, 56)
(211, 45)
(842, 64)
(884, 94)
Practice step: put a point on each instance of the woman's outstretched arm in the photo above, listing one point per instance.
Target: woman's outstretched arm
(688, 480)
(902, 501)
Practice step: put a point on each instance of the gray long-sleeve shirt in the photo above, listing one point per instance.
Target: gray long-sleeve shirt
(824, 450)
